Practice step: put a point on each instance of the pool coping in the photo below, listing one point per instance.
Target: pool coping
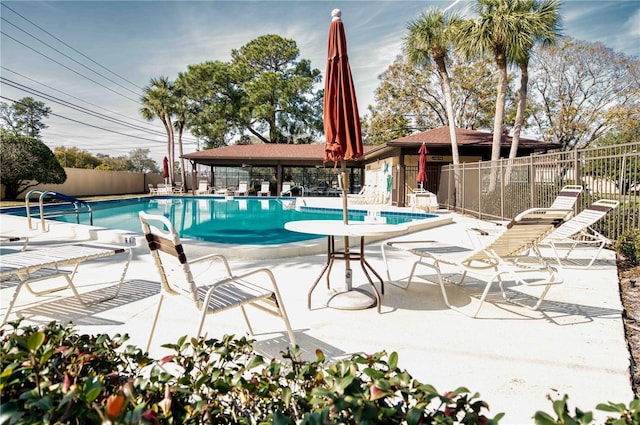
(263, 251)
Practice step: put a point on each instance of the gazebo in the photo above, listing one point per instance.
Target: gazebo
(276, 156)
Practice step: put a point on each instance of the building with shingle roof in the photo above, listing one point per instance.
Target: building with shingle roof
(390, 167)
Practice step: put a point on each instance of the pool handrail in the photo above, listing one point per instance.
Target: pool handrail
(43, 194)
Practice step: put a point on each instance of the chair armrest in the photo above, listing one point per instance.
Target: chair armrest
(210, 257)
(232, 279)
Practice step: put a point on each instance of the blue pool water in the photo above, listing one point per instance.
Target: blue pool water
(244, 221)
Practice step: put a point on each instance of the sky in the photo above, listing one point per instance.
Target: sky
(97, 56)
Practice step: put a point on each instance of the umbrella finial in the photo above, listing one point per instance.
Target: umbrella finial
(336, 15)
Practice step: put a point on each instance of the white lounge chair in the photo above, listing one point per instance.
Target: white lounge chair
(152, 190)
(203, 188)
(178, 188)
(7, 239)
(164, 189)
(424, 200)
(368, 195)
(264, 189)
(46, 263)
(286, 188)
(502, 256)
(242, 190)
(567, 197)
(578, 231)
(209, 293)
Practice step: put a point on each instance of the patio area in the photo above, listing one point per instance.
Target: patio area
(512, 356)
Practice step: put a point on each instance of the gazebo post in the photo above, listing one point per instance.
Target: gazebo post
(278, 179)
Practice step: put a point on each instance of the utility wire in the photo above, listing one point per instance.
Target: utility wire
(66, 67)
(72, 48)
(77, 98)
(77, 108)
(70, 95)
(63, 102)
(68, 57)
(90, 125)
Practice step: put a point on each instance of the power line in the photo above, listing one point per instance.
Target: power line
(68, 57)
(72, 96)
(66, 67)
(70, 105)
(90, 125)
(73, 48)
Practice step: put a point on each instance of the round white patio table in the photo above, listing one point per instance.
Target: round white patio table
(350, 298)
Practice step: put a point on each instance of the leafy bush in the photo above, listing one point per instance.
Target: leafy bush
(628, 244)
(626, 415)
(53, 375)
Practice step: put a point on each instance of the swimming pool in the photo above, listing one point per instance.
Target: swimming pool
(238, 221)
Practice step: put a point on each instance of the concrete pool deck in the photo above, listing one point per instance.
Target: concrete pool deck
(512, 356)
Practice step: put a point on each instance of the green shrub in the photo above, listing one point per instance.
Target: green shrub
(628, 245)
(50, 374)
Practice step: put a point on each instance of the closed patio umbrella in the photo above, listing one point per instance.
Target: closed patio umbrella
(422, 165)
(165, 169)
(343, 137)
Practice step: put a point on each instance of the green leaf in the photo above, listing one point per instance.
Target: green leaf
(35, 341)
(414, 416)
(542, 418)
(560, 406)
(92, 388)
(255, 361)
(373, 373)
(393, 360)
(611, 407)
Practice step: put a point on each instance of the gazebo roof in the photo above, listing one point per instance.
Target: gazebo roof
(440, 137)
(272, 154)
(267, 154)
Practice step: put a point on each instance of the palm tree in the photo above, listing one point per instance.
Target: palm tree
(542, 26)
(157, 101)
(429, 39)
(181, 106)
(499, 26)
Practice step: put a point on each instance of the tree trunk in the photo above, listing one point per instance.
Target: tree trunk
(446, 84)
(517, 126)
(170, 146)
(498, 119)
(183, 174)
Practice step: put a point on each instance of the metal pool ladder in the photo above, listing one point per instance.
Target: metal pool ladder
(79, 206)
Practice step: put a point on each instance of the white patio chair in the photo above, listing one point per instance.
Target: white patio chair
(209, 293)
(203, 188)
(286, 188)
(243, 189)
(264, 189)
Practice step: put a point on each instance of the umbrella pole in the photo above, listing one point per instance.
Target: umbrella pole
(345, 219)
(349, 299)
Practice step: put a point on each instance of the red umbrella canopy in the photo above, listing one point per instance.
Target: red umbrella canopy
(165, 167)
(422, 165)
(341, 120)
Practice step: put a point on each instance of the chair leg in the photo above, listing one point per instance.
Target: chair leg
(13, 301)
(155, 321)
(441, 282)
(246, 319)
(386, 264)
(285, 318)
